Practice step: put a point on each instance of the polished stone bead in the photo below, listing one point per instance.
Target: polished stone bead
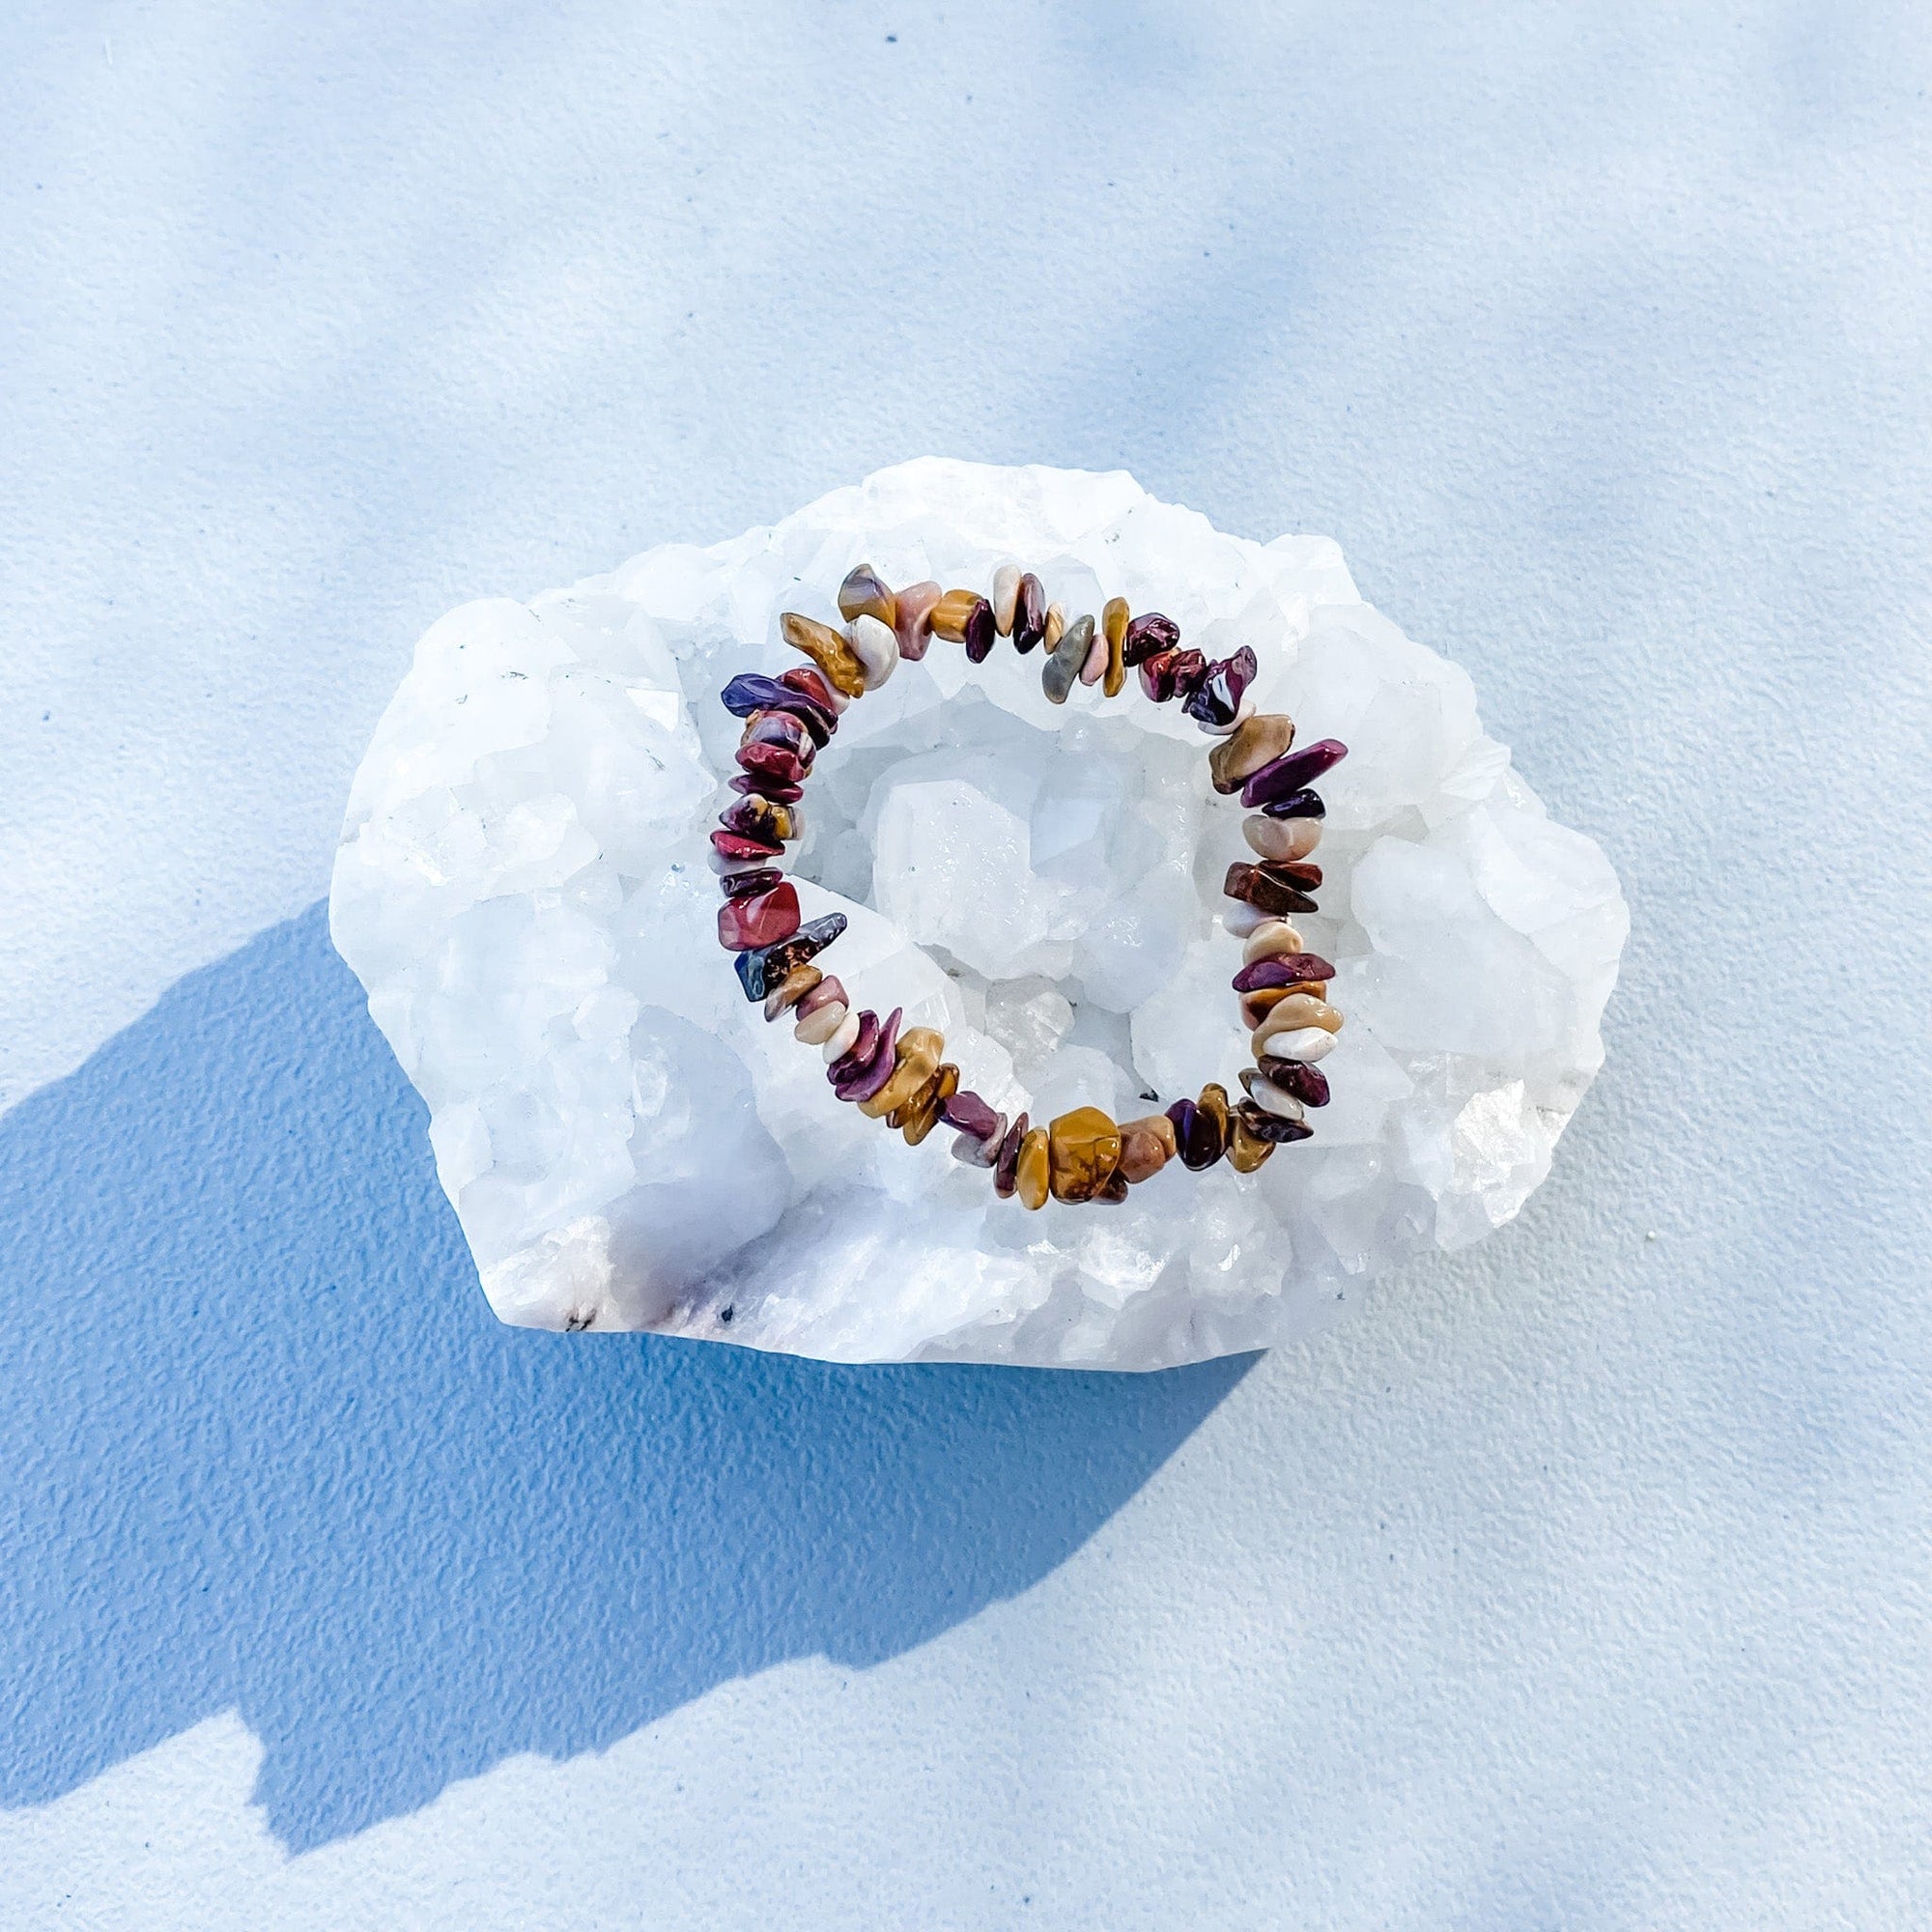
(821, 1025)
(1261, 741)
(841, 1042)
(1266, 1126)
(1056, 626)
(1006, 1166)
(739, 847)
(1270, 896)
(1147, 1146)
(857, 1057)
(918, 1056)
(755, 787)
(1307, 1044)
(864, 593)
(1215, 700)
(759, 818)
(1308, 1084)
(1199, 1132)
(1246, 1150)
(1298, 1011)
(810, 685)
(1147, 636)
(980, 1149)
(969, 1112)
(928, 1107)
(1212, 1105)
(1282, 969)
(1063, 666)
(1094, 665)
(828, 989)
(1029, 614)
(747, 885)
(1268, 1094)
(1270, 938)
(1032, 1169)
(776, 763)
(826, 649)
(876, 647)
(762, 970)
(1083, 1150)
(953, 614)
(1280, 841)
(1297, 873)
(1172, 674)
(780, 728)
(1256, 1007)
(914, 628)
(1005, 597)
(1292, 772)
(1114, 627)
(792, 990)
(868, 1077)
(1296, 805)
(749, 692)
(762, 919)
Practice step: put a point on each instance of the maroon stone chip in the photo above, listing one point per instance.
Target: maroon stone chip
(1291, 772)
(970, 1115)
(1283, 969)
(735, 845)
(1006, 1170)
(1308, 1084)
(1029, 617)
(1146, 635)
(748, 885)
(762, 919)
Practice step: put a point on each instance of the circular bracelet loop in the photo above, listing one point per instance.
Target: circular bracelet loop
(903, 1077)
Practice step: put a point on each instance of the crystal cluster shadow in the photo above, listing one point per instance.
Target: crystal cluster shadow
(270, 1451)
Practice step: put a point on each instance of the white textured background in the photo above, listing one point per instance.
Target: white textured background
(1582, 1584)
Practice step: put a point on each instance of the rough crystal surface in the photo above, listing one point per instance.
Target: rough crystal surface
(523, 888)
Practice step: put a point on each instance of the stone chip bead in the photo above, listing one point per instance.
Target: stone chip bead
(913, 626)
(760, 920)
(1260, 741)
(1006, 1165)
(1246, 1148)
(928, 1107)
(1272, 936)
(759, 818)
(748, 885)
(1292, 772)
(1280, 841)
(1308, 1084)
(958, 615)
(864, 593)
(1298, 1011)
(791, 989)
(834, 658)
(1094, 666)
(1005, 597)
(1268, 1094)
(1147, 1146)
(970, 1114)
(1307, 1044)
(816, 1028)
(1215, 702)
(1281, 969)
(1083, 1150)
(808, 683)
(1172, 674)
(855, 1056)
(1256, 1007)
(871, 1076)
(1029, 614)
(844, 1035)
(1062, 668)
(980, 1149)
(829, 990)
(1114, 627)
(919, 1054)
(749, 693)
(761, 971)
(1056, 626)
(876, 646)
(1266, 1126)
(1147, 636)
(1258, 885)
(1033, 1168)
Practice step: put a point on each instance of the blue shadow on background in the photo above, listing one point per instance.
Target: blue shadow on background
(266, 1447)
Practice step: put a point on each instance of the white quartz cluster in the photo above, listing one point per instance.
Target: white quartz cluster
(522, 887)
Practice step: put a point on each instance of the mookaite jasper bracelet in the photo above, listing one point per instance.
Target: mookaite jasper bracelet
(903, 1077)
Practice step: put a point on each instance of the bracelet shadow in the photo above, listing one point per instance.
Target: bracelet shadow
(269, 1449)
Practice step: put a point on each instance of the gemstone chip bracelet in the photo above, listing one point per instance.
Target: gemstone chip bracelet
(903, 1077)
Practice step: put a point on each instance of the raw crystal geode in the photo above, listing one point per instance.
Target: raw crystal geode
(522, 887)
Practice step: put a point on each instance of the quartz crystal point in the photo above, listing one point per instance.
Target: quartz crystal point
(528, 888)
